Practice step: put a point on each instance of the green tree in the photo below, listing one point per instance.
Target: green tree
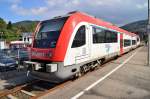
(2, 23)
(9, 25)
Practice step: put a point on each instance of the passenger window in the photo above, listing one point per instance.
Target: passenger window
(127, 42)
(108, 36)
(104, 36)
(133, 42)
(98, 35)
(80, 37)
(114, 37)
(111, 37)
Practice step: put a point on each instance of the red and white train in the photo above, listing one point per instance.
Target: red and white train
(69, 45)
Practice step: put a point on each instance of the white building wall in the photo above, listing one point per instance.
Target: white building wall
(2, 45)
(27, 38)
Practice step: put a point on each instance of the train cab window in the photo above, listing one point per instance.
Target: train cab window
(80, 37)
(98, 35)
(111, 37)
(49, 32)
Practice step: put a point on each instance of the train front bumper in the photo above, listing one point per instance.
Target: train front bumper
(35, 66)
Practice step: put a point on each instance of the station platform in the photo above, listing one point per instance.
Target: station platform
(127, 77)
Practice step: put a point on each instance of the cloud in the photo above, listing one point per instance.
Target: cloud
(38, 11)
(116, 11)
(142, 6)
(32, 11)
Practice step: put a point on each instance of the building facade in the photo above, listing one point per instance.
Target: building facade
(27, 37)
(3, 44)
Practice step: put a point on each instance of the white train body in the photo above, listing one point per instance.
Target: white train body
(83, 43)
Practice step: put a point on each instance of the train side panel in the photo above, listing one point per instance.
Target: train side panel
(77, 54)
(90, 51)
(127, 43)
(134, 42)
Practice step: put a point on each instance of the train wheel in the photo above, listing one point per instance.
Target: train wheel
(93, 66)
(116, 57)
(77, 75)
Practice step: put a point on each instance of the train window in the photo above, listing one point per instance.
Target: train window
(80, 37)
(114, 37)
(28, 38)
(25, 39)
(98, 35)
(111, 37)
(133, 42)
(127, 42)
(49, 32)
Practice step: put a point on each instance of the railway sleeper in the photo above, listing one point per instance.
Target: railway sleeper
(10, 96)
(28, 93)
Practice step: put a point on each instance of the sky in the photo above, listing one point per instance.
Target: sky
(118, 12)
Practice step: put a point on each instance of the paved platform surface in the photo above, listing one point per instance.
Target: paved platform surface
(127, 77)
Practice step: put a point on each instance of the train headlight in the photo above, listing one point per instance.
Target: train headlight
(51, 67)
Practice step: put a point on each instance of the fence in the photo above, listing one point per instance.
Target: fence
(11, 62)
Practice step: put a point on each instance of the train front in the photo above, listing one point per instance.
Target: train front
(43, 64)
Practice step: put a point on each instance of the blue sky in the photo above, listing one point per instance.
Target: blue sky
(116, 11)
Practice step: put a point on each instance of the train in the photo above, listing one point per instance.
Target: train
(71, 45)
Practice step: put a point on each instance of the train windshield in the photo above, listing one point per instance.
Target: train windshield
(49, 32)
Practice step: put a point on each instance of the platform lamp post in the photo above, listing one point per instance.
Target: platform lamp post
(148, 33)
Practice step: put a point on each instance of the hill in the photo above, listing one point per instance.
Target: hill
(26, 26)
(138, 27)
(12, 31)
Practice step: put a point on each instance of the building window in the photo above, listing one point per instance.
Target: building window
(80, 37)
(28, 39)
(127, 42)
(24, 39)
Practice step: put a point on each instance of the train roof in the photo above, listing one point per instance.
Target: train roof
(97, 21)
(92, 19)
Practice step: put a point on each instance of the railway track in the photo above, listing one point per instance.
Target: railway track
(31, 90)
(38, 88)
(35, 89)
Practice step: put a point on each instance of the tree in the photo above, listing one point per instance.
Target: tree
(9, 25)
(2, 23)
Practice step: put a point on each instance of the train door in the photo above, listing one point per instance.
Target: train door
(81, 44)
(121, 43)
